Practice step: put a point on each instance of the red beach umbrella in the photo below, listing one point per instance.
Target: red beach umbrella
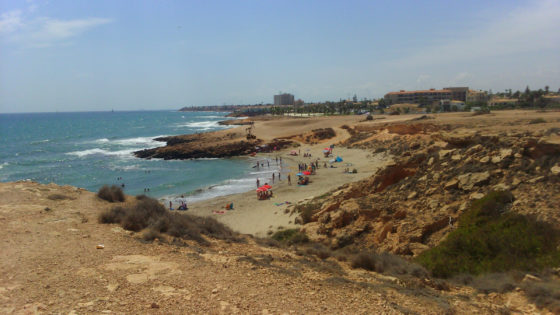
(266, 186)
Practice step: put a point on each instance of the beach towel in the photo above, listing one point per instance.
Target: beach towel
(219, 212)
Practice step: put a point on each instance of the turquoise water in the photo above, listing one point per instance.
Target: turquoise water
(91, 149)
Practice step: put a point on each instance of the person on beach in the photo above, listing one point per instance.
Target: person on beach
(267, 163)
(170, 205)
(279, 176)
(273, 178)
(289, 180)
(258, 183)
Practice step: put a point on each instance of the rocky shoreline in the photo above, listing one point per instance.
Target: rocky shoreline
(217, 144)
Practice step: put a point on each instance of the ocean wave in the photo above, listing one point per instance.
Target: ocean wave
(121, 153)
(225, 188)
(140, 141)
(40, 141)
(201, 125)
(212, 117)
(133, 167)
(3, 164)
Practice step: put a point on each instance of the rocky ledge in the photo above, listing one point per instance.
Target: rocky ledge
(219, 144)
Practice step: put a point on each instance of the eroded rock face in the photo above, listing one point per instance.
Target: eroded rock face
(414, 202)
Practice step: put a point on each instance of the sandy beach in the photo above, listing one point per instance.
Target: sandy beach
(257, 217)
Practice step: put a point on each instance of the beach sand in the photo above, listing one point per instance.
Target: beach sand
(257, 217)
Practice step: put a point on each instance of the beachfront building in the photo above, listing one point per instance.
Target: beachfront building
(458, 93)
(417, 97)
(283, 99)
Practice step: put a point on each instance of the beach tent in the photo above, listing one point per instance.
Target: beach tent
(293, 152)
(266, 186)
(299, 174)
(262, 189)
(338, 159)
(307, 173)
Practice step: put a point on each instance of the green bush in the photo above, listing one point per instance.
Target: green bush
(490, 239)
(290, 237)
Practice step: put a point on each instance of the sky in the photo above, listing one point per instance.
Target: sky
(100, 55)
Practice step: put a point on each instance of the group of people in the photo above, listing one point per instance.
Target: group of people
(182, 206)
(311, 167)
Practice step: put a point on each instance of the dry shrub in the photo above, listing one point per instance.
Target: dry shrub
(387, 263)
(544, 294)
(319, 250)
(111, 194)
(494, 282)
(150, 235)
(148, 213)
(58, 197)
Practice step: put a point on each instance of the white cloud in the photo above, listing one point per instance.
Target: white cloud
(54, 31)
(523, 29)
(44, 31)
(10, 22)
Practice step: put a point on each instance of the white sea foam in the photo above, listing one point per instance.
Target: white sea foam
(228, 187)
(201, 125)
(120, 153)
(126, 167)
(40, 141)
(141, 141)
(3, 164)
(212, 116)
(138, 142)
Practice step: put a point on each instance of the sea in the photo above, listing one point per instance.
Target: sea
(91, 149)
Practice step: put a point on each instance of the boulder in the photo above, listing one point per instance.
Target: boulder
(484, 160)
(505, 153)
(417, 248)
(470, 180)
(536, 179)
(445, 153)
(431, 161)
(555, 170)
(452, 184)
(412, 195)
(456, 157)
(476, 196)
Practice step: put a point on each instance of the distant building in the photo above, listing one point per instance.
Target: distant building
(427, 96)
(458, 93)
(477, 96)
(284, 99)
(417, 97)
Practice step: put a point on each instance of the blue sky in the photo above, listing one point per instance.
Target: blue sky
(127, 55)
